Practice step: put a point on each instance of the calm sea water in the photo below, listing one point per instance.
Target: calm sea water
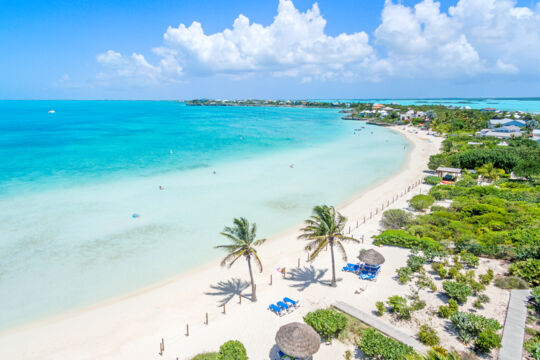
(510, 104)
(71, 181)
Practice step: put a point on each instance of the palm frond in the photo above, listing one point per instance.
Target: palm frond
(257, 260)
(341, 249)
(317, 251)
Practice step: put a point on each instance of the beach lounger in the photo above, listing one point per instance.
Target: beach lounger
(291, 301)
(284, 306)
(283, 356)
(275, 309)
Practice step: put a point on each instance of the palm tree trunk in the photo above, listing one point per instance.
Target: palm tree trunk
(333, 264)
(253, 294)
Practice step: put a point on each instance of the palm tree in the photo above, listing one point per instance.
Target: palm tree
(325, 227)
(489, 171)
(242, 236)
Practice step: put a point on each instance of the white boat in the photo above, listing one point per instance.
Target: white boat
(52, 112)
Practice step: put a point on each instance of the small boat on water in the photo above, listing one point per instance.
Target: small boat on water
(52, 112)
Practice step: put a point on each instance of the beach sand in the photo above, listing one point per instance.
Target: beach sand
(132, 327)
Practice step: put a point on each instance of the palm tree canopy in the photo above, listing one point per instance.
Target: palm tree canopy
(323, 227)
(242, 236)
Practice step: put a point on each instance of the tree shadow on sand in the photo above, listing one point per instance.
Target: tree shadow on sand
(306, 276)
(229, 289)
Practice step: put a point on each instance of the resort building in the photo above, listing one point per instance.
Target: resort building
(503, 132)
(448, 173)
(494, 123)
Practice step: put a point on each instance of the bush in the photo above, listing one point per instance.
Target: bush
(424, 281)
(469, 326)
(510, 282)
(457, 291)
(487, 278)
(536, 295)
(487, 340)
(428, 336)
(528, 270)
(445, 311)
(401, 238)
(421, 202)
(404, 274)
(377, 346)
(396, 219)
(476, 287)
(398, 306)
(206, 356)
(469, 259)
(328, 323)
(380, 308)
(232, 350)
(453, 272)
(415, 263)
(432, 180)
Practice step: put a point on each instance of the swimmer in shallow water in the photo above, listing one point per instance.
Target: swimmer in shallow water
(291, 166)
(214, 172)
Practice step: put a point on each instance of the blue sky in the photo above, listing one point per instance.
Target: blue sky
(279, 49)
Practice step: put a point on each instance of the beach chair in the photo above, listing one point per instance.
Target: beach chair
(284, 306)
(370, 272)
(291, 301)
(275, 309)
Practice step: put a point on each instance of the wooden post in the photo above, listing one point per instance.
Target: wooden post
(349, 229)
(270, 279)
(224, 309)
(240, 298)
(206, 318)
(362, 239)
(187, 329)
(298, 262)
(163, 344)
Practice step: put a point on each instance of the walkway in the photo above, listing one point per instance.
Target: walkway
(380, 325)
(514, 326)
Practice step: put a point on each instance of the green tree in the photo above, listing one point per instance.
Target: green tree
(325, 227)
(528, 168)
(242, 236)
(488, 171)
(232, 350)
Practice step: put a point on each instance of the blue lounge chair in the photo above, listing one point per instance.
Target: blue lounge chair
(283, 356)
(275, 309)
(291, 301)
(283, 306)
(369, 272)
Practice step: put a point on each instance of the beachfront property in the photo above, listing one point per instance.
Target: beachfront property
(495, 123)
(503, 132)
(411, 114)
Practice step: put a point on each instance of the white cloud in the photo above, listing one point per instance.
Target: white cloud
(472, 38)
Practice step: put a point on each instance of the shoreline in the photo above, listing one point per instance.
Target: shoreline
(159, 304)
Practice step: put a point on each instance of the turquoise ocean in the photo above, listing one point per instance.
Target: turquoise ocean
(71, 182)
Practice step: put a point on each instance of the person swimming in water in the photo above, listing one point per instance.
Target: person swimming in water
(291, 166)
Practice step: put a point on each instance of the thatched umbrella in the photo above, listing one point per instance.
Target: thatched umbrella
(298, 340)
(371, 257)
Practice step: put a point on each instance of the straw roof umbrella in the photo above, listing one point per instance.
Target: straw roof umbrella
(371, 257)
(298, 340)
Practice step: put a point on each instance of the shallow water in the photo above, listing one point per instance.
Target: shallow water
(71, 181)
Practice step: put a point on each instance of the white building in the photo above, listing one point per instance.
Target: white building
(504, 132)
(493, 123)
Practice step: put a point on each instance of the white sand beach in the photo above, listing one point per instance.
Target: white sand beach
(133, 326)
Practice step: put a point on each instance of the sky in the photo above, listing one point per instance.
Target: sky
(60, 49)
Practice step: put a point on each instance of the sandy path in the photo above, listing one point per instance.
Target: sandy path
(132, 327)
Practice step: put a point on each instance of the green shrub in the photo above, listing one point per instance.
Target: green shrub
(453, 272)
(421, 202)
(428, 336)
(469, 259)
(401, 238)
(457, 291)
(398, 306)
(445, 311)
(380, 308)
(424, 281)
(484, 298)
(476, 287)
(536, 295)
(487, 278)
(328, 323)
(415, 263)
(528, 270)
(469, 326)
(533, 347)
(396, 219)
(404, 274)
(375, 345)
(487, 340)
(232, 350)
(510, 282)
(206, 356)
(432, 180)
